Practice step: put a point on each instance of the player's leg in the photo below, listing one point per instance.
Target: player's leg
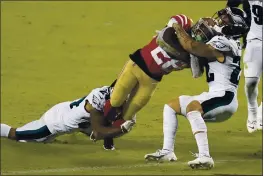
(199, 129)
(108, 142)
(251, 90)
(7, 131)
(170, 126)
(211, 106)
(192, 109)
(252, 71)
(260, 117)
(182, 105)
(194, 113)
(141, 94)
(123, 87)
(34, 131)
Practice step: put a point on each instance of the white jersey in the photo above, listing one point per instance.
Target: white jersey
(69, 116)
(255, 31)
(224, 76)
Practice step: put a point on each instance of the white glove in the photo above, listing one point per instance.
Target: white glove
(127, 126)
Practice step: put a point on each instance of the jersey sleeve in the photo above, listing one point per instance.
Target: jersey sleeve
(98, 96)
(224, 44)
(182, 19)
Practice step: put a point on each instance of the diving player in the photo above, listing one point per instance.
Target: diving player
(84, 115)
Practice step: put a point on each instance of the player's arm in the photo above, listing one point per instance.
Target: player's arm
(100, 131)
(233, 3)
(197, 48)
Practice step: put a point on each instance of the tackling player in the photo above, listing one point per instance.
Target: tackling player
(84, 115)
(146, 67)
(223, 54)
(253, 66)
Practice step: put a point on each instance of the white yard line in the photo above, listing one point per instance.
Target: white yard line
(74, 169)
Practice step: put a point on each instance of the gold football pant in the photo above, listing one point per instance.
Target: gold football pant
(138, 84)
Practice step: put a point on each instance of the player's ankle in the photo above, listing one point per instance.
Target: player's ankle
(167, 150)
(204, 154)
(5, 130)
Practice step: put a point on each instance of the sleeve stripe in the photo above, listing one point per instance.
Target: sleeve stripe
(181, 19)
(185, 19)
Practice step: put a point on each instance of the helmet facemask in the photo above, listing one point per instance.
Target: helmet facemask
(202, 31)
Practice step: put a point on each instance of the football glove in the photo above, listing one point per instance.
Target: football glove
(127, 126)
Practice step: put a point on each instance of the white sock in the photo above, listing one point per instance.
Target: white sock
(198, 125)
(170, 125)
(5, 130)
(251, 90)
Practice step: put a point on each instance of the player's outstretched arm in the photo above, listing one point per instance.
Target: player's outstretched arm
(196, 48)
(100, 131)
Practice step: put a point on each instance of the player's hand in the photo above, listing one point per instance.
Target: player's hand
(127, 126)
(93, 136)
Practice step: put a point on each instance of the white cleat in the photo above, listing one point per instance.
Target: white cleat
(161, 155)
(22, 141)
(251, 126)
(202, 162)
(111, 148)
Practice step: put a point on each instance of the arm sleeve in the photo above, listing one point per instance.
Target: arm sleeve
(233, 3)
(246, 8)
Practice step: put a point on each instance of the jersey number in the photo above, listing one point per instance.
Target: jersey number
(235, 75)
(76, 103)
(258, 12)
(209, 76)
(167, 66)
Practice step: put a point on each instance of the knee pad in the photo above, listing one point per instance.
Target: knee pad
(251, 82)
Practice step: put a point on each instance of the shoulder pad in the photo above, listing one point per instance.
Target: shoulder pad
(98, 96)
(224, 44)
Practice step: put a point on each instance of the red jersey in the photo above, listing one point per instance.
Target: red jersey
(158, 62)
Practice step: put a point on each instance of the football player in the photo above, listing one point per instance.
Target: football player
(146, 67)
(84, 115)
(223, 53)
(253, 66)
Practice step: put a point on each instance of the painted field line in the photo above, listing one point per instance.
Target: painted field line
(89, 168)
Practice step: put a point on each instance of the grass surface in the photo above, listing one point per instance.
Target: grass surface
(57, 51)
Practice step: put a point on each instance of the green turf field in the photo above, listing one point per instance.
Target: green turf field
(57, 51)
